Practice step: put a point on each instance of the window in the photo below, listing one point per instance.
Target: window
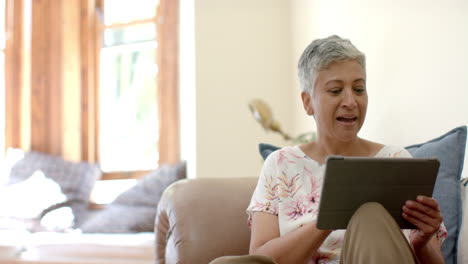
(106, 96)
(128, 104)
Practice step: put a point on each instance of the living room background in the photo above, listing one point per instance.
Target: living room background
(233, 51)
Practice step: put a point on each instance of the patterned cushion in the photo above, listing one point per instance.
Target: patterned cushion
(135, 209)
(76, 179)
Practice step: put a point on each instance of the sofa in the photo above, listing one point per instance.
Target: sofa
(199, 220)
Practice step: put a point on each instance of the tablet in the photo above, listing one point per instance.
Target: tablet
(350, 182)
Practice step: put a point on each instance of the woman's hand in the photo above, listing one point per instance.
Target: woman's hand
(424, 213)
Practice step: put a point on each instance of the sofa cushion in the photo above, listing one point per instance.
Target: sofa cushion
(76, 179)
(266, 149)
(135, 209)
(16, 200)
(21, 210)
(449, 148)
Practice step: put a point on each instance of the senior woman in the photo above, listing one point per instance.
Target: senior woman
(284, 207)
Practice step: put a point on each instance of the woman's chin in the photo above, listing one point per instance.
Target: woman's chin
(347, 135)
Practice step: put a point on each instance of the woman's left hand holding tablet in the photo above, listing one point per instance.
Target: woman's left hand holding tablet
(425, 214)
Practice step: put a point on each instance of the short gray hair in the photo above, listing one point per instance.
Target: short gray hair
(320, 54)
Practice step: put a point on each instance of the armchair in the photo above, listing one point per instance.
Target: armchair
(199, 220)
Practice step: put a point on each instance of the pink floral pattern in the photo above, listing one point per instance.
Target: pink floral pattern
(295, 208)
(289, 187)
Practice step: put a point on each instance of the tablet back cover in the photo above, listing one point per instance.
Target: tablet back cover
(350, 182)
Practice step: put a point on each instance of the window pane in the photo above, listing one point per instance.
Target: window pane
(129, 128)
(129, 34)
(124, 11)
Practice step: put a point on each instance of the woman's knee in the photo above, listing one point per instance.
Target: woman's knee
(371, 206)
(370, 212)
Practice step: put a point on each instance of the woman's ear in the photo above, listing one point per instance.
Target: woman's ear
(306, 99)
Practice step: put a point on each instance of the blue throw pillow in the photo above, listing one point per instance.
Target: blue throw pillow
(266, 149)
(450, 150)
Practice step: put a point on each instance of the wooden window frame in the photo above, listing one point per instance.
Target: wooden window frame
(14, 82)
(43, 107)
(167, 23)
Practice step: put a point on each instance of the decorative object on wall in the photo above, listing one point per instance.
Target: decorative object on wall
(262, 112)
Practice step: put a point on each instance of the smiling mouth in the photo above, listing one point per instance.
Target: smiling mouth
(346, 119)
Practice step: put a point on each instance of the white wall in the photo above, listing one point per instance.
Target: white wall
(417, 61)
(416, 65)
(187, 98)
(242, 51)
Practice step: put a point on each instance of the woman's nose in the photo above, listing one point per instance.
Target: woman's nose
(349, 100)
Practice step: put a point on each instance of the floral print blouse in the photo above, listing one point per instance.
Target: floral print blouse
(289, 187)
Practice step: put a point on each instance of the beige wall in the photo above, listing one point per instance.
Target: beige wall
(241, 52)
(243, 49)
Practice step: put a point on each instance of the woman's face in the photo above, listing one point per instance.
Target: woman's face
(339, 100)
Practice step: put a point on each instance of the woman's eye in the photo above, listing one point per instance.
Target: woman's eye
(360, 90)
(335, 91)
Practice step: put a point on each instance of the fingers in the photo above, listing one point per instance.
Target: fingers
(426, 225)
(424, 213)
(428, 201)
(426, 207)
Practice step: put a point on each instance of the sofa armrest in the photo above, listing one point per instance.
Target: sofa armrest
(199, 220)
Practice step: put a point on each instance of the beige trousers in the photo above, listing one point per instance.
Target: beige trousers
(372, 236)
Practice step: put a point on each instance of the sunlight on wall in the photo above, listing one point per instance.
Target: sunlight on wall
(187, 95)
